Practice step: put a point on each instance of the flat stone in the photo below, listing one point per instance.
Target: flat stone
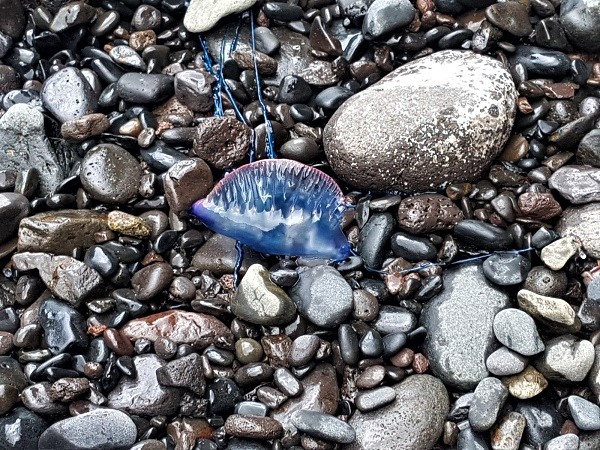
(510, 16)
(414, 420)
(260, 301)
(322, 296)
(566, 359)
(578, 184)
(145, 88)
(68, 95)
(85, 127)
(459, 321)
(584, 223)
(558, 253)
(506, 269)
(202, 15)
(415, 114)
(60, 232)
(554, 314)
(527, 384)
(182, 327)
(24, 146)
(516, 329)
(426, 213)
(254, 427)
(385, 16)
(323, 426)
(143, 395)
(99, 429)
(66, 277)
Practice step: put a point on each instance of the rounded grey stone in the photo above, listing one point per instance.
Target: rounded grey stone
(566, 359)
(373, 399)
(504, 362)
(413, 421)
(586, 414)
(568, 441)
(451, 111)
(516, 329)
(100, 429)
(578, 184)
(459, 321)
(583, 222)
(489, 397)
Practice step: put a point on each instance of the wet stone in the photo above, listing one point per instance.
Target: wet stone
(546, 282)
(394, 319)
(516, 329)
(374, 399)
(202, 15)
(414, 420)
(37, 399)
(365, 305)
(510, 16)
(143, 395)
(482, 235)
(468, 439)
(128, 224)
(145, 88)
(64, 327)
(489, 398)
(72, 15)
(460, 320)
(578, 18)
(413, 248)
(21, 429)
(253, 427)
(303, 349)
(407, 97)
(68, 95)
(193, 88)
(293, 89)
(67, 278)
(323, 426)
(13, 208)
(85, 127)
(505, 362)
(151, 280)
(539, 206)
(322, 296)
(582, 222)
(24, 146)
(222, 141)
(12, 18)
(506, 269)
(588, 151)
(427, 213)
(543, 421)
(110, 174)
(541, 62)
(385, 16)
(578, 184)
(374, 238)
(258, 300)
(182, 327)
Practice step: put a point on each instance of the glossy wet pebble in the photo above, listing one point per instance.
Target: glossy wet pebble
(506, 269)
(110, 174)
(97, 429)
(412, 122)
(68, 95)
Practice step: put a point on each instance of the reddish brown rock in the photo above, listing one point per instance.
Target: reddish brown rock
(427, 213)
(187, 181)
(182, 327)
(253, 427)
(222, 141)
(85, 127)
(245, 59)
(539, 205)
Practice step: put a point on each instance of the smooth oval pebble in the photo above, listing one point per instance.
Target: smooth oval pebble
(371, 400)
(323, 426)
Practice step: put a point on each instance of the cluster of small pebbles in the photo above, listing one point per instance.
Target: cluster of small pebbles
(456, 128)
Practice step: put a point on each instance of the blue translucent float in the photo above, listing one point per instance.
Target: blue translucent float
(278, 207)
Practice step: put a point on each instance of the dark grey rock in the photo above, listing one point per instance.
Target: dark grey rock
(323, 426)
(469, 440)
(541, 61)
(374, 239)
(385, 16)
(13, 208)
(145, 88)
(578, 184)
(413, 248)
(504, 362)
(64, 327)
(482, 235)
(322, 296)
(374, 399)
(547, 282)
(459, 321)
(415, 114)
(24, 146)
(99, 429)
(394, 319)
(20, 429)
(12, 18)
(543, 420)
(580, 19)
(506, 269)
(588, 151)
(193, 88)
(68, 95)
(183, 372)
(143, 395)
(414, 420)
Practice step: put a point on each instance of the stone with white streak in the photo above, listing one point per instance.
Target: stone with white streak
(202, 15)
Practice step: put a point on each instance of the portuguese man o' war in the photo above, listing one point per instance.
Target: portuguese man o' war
(279, 207)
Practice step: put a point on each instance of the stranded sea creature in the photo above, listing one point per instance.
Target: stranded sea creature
(279, 207)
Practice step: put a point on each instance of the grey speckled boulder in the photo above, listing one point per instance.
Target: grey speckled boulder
(583, 222)
(440, 118)
(413, 421)
(460, 323)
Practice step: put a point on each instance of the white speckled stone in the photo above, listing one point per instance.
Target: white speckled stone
(584, 223)
(202, 15)
(441, 118)
(566, 358)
